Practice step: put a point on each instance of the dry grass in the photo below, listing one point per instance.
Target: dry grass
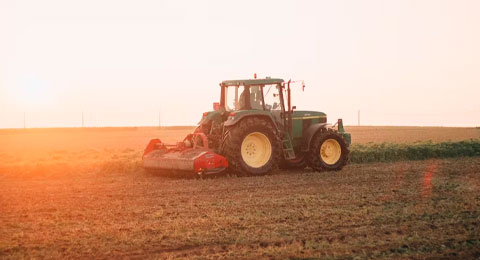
(33, 152)
(81, 139)
(80, 193)
(410, 134)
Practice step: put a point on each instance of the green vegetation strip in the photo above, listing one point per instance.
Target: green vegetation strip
(389, 152)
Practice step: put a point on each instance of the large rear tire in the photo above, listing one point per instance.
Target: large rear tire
(328, 151)
(252, 147)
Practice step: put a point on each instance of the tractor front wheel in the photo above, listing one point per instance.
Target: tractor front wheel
(251, 147)
(328, 151)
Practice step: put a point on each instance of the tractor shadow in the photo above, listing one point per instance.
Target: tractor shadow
(225, 174)
(172, 174)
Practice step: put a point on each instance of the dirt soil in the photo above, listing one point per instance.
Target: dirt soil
(81, 193)
(423, 209)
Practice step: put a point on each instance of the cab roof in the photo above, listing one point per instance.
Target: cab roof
(250, 82)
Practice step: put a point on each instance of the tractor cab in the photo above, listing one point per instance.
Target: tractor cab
(252, 96)
(257, 94)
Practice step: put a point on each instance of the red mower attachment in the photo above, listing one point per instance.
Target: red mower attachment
(192, 155)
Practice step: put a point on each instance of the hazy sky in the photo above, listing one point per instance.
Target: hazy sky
(124, 62)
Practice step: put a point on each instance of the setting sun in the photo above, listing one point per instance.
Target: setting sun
(32, 93)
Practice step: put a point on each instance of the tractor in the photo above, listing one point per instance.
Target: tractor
(253, 130)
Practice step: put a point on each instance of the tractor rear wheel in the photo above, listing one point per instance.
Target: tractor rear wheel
(252, 147)
(328, 151)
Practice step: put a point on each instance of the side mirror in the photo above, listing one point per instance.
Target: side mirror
(294, 107)
(216, 106)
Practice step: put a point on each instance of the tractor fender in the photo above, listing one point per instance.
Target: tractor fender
(211, 116)
(309, 133)
(233, 120)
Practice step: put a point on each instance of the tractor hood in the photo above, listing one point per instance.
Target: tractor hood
(305, 114)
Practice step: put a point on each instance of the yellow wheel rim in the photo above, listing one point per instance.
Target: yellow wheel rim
(330, 151)
(256, 150)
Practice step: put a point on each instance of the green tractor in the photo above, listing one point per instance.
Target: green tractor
(253, 130)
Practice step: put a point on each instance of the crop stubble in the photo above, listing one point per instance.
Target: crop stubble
(421, 209)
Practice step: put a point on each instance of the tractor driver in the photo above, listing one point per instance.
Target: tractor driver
(255, 98)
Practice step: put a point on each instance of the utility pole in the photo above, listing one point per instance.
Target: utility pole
(358, 117)
(159, 119)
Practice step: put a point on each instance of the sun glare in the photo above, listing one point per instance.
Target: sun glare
(32, 92)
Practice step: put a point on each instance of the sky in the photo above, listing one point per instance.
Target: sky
(145, 63)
